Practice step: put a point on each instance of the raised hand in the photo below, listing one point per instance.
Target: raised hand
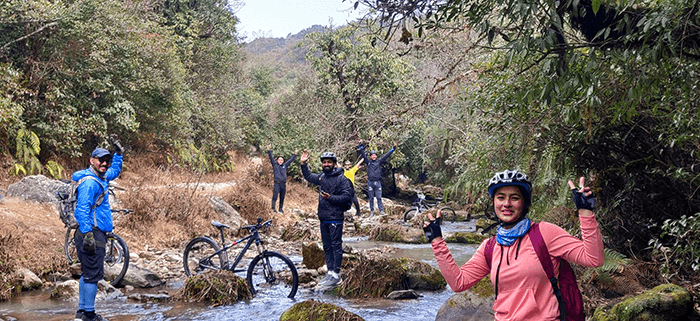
(583, 198)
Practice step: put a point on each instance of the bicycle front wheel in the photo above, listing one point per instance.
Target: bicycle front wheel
(202, 254)
(116, 259)
(272, 273)
(448, 214)
(410, 214)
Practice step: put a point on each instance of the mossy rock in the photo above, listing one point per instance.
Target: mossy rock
(482, 223)
(313, 255)
(398, 234)
(466, 237)
(665, 302)
(318, 311)
(376, 278)
(216, 287)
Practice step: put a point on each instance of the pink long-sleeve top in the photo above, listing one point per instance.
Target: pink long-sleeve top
(524, 292)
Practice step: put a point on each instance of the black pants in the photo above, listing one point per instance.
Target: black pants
(281, 189)
(356, 203)
(92, 265)
(332, 237)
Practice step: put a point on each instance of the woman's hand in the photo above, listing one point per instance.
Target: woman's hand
(585, 203)
(432, 229)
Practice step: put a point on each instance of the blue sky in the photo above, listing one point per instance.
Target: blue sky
(278, 18)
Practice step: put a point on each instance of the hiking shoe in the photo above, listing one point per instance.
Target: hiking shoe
(371, 214)
(382, 213)
(334, 278)
(326, 280)
(281, 211)
(95, 317)
(79, 315)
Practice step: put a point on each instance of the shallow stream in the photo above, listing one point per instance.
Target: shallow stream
(37, 305)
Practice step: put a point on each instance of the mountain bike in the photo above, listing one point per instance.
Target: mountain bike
(421, 204)
(116, 253)
(268, 272)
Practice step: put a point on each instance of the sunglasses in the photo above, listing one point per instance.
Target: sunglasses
(105, 159)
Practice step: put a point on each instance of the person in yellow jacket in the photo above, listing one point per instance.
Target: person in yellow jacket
(350, 174)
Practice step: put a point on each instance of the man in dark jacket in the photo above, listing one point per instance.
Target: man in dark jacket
(334, 197)
(279, 169)
(94, 217)
(374, 177)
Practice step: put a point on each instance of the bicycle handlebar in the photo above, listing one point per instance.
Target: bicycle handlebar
(125, 211)
(257, 226)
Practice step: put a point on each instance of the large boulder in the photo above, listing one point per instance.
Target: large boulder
(30, 281)
(36, 188)
(665, 302)
(475, 304)
(318, 311)
(139, 277)
(68, 291)
(227, 213)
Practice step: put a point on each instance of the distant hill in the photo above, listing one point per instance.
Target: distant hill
(263, 46)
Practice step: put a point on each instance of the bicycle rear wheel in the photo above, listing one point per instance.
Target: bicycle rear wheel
(202, 254)
(448, 214)
(116, 259)
(410, 214)
(272, 273)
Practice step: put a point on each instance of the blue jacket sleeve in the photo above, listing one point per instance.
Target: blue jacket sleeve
(272, 160)
(115, 169)
(309, 176)
(88, 192)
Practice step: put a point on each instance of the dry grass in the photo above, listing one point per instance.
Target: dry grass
(217, 287)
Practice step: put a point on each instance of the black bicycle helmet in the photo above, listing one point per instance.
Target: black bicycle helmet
(329, 155)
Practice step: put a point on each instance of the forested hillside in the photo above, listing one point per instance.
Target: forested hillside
(558, 89)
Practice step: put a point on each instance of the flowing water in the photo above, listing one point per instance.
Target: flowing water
(37, 305)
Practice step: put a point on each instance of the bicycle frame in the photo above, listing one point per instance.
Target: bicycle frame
(227, 265)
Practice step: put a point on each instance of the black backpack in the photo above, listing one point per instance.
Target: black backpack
(67, 197)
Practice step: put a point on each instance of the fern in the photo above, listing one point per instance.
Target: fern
(55, 170)
(28, 148)
(614, 262)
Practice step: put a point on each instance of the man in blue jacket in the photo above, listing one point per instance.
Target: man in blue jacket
(94, 217)
(279, 169)
(334, 198)
(374, 177)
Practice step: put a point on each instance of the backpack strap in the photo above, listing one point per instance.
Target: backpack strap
(543, 256)
(488, 250)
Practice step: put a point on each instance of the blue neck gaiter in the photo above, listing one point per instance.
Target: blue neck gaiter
(508, 236)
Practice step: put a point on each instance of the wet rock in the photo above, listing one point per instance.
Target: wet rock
(30, 281)
(307, 275)
(141, 278)
(146, 297)
(665, 302)
(65, 291)
(312, 310)
(466, 306)
(397, 233)
(465, 237)
(313, 255)
(36, 188)
(403, 295)
(421, 276)
(68, 291)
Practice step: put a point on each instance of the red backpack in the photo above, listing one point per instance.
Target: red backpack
(565, 288)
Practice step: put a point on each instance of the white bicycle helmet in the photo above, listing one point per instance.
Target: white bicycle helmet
(511, 178)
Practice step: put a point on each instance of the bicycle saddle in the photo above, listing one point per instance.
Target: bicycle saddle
(218, 224)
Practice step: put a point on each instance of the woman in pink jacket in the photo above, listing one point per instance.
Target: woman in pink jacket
(523, 291)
